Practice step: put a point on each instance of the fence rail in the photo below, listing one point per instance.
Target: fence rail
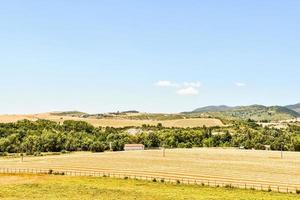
(161, 178)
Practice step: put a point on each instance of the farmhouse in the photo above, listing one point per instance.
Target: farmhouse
(132, 147)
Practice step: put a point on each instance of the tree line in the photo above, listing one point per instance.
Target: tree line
(47, 136)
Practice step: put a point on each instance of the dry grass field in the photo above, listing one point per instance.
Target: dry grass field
(264, 167)
(117, 122)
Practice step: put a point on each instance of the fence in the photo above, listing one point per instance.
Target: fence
(295, 188)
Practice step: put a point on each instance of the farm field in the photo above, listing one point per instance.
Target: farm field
(245, 166)
(30, 187)
(117, 122)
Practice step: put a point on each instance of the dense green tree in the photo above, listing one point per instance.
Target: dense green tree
(45, 136)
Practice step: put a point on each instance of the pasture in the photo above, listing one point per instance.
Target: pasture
(117, 122)
(30, 187)
(242, 166)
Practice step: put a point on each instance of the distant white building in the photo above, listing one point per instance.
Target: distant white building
(267, 147)
(134, 147)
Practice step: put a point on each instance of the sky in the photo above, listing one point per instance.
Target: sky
(153, 56)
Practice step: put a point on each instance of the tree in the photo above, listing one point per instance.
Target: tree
(97, 146)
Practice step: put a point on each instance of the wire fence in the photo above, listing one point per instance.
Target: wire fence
(284, 188)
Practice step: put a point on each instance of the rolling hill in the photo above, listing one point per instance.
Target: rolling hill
(254, 112)
(212, 109)
(118, 121)
(295, 107)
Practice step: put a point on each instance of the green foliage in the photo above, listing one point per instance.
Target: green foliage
(33, 138)
(48, 136)
(97, 146)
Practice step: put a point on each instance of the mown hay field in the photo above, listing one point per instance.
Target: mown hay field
(117, 122)
(245, 166)
(13, 187)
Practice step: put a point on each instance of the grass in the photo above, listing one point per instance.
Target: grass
(204, 163)
(60, 187)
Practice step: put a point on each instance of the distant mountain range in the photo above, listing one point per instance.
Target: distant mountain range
(255, 112)
(212, 109)
(295, 107)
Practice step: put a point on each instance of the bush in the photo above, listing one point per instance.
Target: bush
(3, 154)
(228, 186)
(126, 178)
(50, 171)
(154, 180)
(37, 154)
(59, 173)
(64, 151)
(297, 191)
(97, 147)
(269, 189)
(162, 180)
(178, 181)
(54, 153)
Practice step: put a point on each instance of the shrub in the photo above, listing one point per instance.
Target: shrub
(298, 191)
(162, 180)
(154, 180)
(228, 186)
(59, 173)
(37, 154)
(97, 147)
(50, 171)
(63, 151)
(269, 189)
(3, 154)
(126, 177)
(178, 181)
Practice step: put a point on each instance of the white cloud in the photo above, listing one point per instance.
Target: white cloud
(196, 84)
(240, 84)
(188, 91)
(185, 88)
(166, 84)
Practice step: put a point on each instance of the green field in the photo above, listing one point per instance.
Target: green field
(62, 187)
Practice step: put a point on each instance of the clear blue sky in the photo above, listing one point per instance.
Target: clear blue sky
(154, 56)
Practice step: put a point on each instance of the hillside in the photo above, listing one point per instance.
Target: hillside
(295, 107)
(118, 121)
(254, 112)
(69, 113)
(212, 109)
